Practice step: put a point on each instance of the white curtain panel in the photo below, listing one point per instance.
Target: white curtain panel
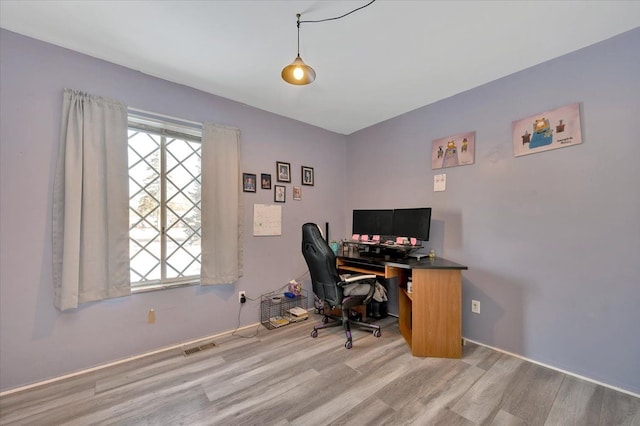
(221, 204)
(91, 202)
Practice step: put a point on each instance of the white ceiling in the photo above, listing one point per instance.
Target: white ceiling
(379, 62)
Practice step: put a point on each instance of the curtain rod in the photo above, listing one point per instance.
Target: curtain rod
(155, 114)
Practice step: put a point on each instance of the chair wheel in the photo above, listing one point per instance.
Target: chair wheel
(325, 320)
(348, 344)
(377, 333)
(314, 333)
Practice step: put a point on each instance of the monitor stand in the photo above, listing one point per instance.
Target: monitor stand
(418, 256)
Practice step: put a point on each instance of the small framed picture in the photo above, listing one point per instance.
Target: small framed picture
(283, 171)
(265, 181)
(249, 182)
(279, 193)
(297, 193)
(307, 175)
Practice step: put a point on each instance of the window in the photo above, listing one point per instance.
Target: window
(164, 203)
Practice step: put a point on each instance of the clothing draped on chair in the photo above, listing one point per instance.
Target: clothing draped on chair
(222, 209)
(333, 289)
(91, 202)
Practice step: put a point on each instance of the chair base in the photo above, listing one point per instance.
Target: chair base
(346, 322)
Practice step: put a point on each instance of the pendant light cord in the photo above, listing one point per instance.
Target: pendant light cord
(298, 17)
(298, 72)
(325, 20)
(329, 19)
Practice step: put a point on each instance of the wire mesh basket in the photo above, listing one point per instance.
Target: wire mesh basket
(275, 309)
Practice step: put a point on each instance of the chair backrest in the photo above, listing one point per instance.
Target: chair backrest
(321, 262)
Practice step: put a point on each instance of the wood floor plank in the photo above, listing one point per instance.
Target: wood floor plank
(369, 412)
(149, 392)
(418, 382)
(40, 410)
(355, 393)
(144, 409)
(50, 392)
(483, 400)
(506, 419)
(531, 396)
(172, 412)
(253, 406)
(284, 377)
(296, 402)
(578, 403)
(479, 356)
(146, 372)
(448, 418)
(619, 409)
(247, 378)
(445, 390)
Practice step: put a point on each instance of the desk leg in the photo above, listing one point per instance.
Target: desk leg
(405, 316)
(437, 313)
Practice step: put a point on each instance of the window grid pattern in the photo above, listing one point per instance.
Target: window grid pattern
(164, 209)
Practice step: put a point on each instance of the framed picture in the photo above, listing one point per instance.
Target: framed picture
(249, 182)
(455, 150)
(297, 193)
(283, 171)
(557, 128)
(279, 193)
(307, 175)
(265, 181)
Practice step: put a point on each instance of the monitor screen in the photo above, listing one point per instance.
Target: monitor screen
(412, 223)
(372, 222)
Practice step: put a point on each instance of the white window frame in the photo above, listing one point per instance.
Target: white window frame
(165, 130)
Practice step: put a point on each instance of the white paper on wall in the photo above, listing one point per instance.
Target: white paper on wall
(440, 182)
(267, 220)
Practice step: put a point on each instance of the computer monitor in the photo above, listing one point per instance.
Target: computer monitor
(373, 222)
(412, 223)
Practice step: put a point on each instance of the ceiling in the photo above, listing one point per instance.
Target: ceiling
(377, 63)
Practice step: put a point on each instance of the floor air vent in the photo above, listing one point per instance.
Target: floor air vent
(196, 349)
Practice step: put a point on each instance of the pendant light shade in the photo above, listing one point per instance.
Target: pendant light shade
(298, 72)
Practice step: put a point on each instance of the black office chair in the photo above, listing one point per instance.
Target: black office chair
(331, 288)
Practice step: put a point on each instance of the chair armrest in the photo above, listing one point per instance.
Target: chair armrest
(355, 278)
(359, 285)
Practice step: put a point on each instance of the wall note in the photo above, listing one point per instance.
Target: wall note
(440, 182)
(267, 220)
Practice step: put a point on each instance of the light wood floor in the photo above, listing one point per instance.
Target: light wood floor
(284, 377)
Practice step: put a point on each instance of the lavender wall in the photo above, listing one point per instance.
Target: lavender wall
(36, 341)
(552, 240)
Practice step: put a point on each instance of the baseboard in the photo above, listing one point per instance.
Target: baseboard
(122, 361)
(568, 373)
(226, 333)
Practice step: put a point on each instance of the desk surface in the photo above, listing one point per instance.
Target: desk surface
(404, 263)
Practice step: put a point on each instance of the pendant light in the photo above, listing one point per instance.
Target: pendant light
(298, 72)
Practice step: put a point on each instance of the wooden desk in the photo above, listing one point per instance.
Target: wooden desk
(429, 318)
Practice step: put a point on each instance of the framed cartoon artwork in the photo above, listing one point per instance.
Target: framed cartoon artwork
(279, 193)
(455, 150)
(283, 171)
(307, 175)
(249, 182)
(556, 128)
(265, 181)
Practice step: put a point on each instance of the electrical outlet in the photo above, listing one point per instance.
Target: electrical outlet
(475, 306)
(242, 296)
